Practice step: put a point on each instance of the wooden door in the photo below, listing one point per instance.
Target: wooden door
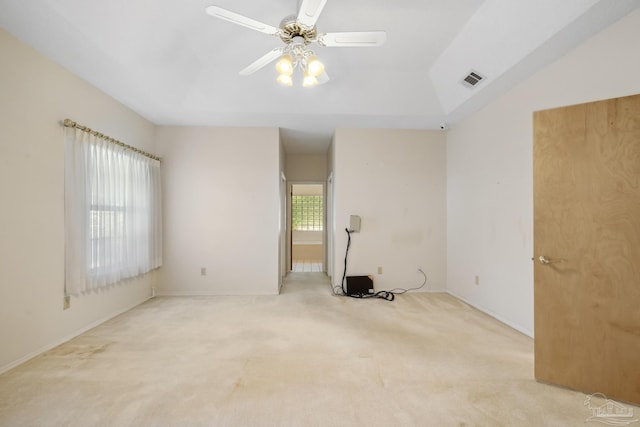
(587, 231)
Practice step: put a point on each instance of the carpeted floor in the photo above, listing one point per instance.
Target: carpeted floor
(303, 358)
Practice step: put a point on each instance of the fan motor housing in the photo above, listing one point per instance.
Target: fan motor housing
(290, 28)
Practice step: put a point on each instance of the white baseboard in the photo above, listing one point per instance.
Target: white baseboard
(182, 293)
(499, 318)
(66, 338)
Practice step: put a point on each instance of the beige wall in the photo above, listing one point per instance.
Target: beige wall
(396, 181)
(307, 237)
(221, 189)
(36, 95)
(490, 173)
(307, 252)
(306, 167)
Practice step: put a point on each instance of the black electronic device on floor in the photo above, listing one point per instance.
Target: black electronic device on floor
(359, 286)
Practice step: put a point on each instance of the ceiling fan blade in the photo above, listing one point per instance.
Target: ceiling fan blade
(264, 60)
(235, 18)
(310, 12)
(353, 39)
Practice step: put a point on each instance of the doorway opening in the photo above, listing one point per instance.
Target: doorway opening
(307, 228)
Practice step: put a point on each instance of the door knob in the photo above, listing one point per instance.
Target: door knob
(545, 260)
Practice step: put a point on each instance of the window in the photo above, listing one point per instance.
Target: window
(306, 213)
(106, 231)
(112, 212)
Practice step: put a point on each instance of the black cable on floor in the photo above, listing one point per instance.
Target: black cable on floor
(385, 295)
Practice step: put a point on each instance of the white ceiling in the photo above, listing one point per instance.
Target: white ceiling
(176, 65)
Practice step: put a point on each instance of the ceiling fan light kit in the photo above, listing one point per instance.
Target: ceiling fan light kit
(285, 65)
(314, 66)
(309, 80)
(285, 80)
(297, 57)
(297, 32)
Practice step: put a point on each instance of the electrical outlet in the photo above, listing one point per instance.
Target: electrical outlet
(203, 271)
(477, 280)
(379, 270)
(66, 304)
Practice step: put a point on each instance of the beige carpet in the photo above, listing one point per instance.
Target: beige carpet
(303, 358)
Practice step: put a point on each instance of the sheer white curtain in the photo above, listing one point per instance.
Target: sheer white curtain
(112, 212)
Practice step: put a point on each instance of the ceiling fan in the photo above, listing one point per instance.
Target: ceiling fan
(298, 32)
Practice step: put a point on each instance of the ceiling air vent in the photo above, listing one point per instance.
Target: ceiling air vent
(472, 79)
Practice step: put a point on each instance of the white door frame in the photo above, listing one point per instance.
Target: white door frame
(289, 217)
